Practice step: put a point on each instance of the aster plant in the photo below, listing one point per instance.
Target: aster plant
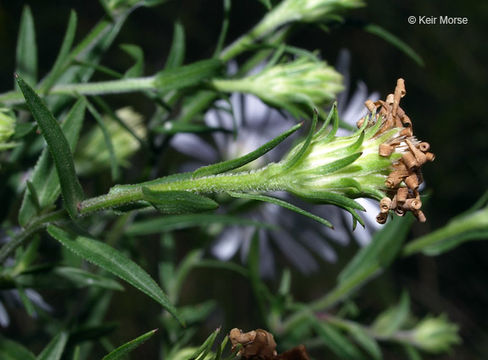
(79, 218)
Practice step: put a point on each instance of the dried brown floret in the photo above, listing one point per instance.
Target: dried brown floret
(406, 177)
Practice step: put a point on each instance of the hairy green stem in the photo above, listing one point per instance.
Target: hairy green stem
(95, 88)
(125, 194)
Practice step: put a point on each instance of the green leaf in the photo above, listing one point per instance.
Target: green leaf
(177, 52)
(243, 160)
(206, 347)
(11, 350)
(113, 261)
(137, 54)
(123, 350)
(266, 3)
(393, 319)
(23, 129)
(179, 222)
(84, 278)
(336, 341)
(44, 178)
(108, 141)
(187, 75)
(258, 287)
(58, 147)
(281, 203)
(366, 341)
(90, 332)
(26, 53)
(305, 146)
(381, 251)
(336, 165)
(61, 60)
(178, 202)
(171, 128)
(224, 28)
(395, 41)
(55, 348)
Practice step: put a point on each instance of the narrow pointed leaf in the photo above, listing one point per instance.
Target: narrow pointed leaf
(383, 248)
(177, 52)
(44, 178)
(205, 347)
(187, 75)
(335, 199)
(61, 59)
(178, 222)
(366, 341)
(113, 261)
(236, 163)
(395, 41)
(55, 348)
(337, 342)
(178, 202)
(26, 55)
(306, 144)
(11, 350)
(281, 203)
(335, 124)
(137, 54)
(332, 113)
(337, 165)
(84, 278)
(393, 319)
(123, 350)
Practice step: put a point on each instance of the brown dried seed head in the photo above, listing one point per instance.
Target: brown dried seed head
(419, 214)
(412, 204)
(394, 203)
(412, 182)
(419, 155)
(381, 217)
(399, 211)
(370, 105)
(402, 194)
(429, 156)
(385, 204)
(385, 150)
(409, 160)
(390, 99)
(407, 132)
(400, 165)
(395, 178)
(360, 122)
(424, 146)
(406, 121)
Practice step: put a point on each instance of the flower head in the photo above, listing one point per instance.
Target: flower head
(436, 334)
(382, 161)
(93, 155)
(7, 128)
(303, 11)
(289, 85)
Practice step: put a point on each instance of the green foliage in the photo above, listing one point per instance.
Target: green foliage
(140, 215)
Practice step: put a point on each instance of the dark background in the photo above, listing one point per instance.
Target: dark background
(446, 99)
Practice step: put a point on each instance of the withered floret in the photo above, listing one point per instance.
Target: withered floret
(404, 180)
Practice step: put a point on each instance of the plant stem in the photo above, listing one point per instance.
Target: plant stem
(240, 182)
(95, 88)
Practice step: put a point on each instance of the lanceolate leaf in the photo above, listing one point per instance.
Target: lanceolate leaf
(337, 342)
(55, 348)
(58, 147)
(236, 163)
(281, 203)
(177, 52)
(178, 202)
(26, 56)
(178, 222)
(306, 144)
(188, 75)
(10, 350)
(57, 68)
(123, 350)
(44, 178)
(113, 261)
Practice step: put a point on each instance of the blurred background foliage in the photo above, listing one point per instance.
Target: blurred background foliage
(446, 99)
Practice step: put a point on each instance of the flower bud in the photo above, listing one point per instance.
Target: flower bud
(7, 128)
(93, 155)
(300, 82)
(436, 334)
